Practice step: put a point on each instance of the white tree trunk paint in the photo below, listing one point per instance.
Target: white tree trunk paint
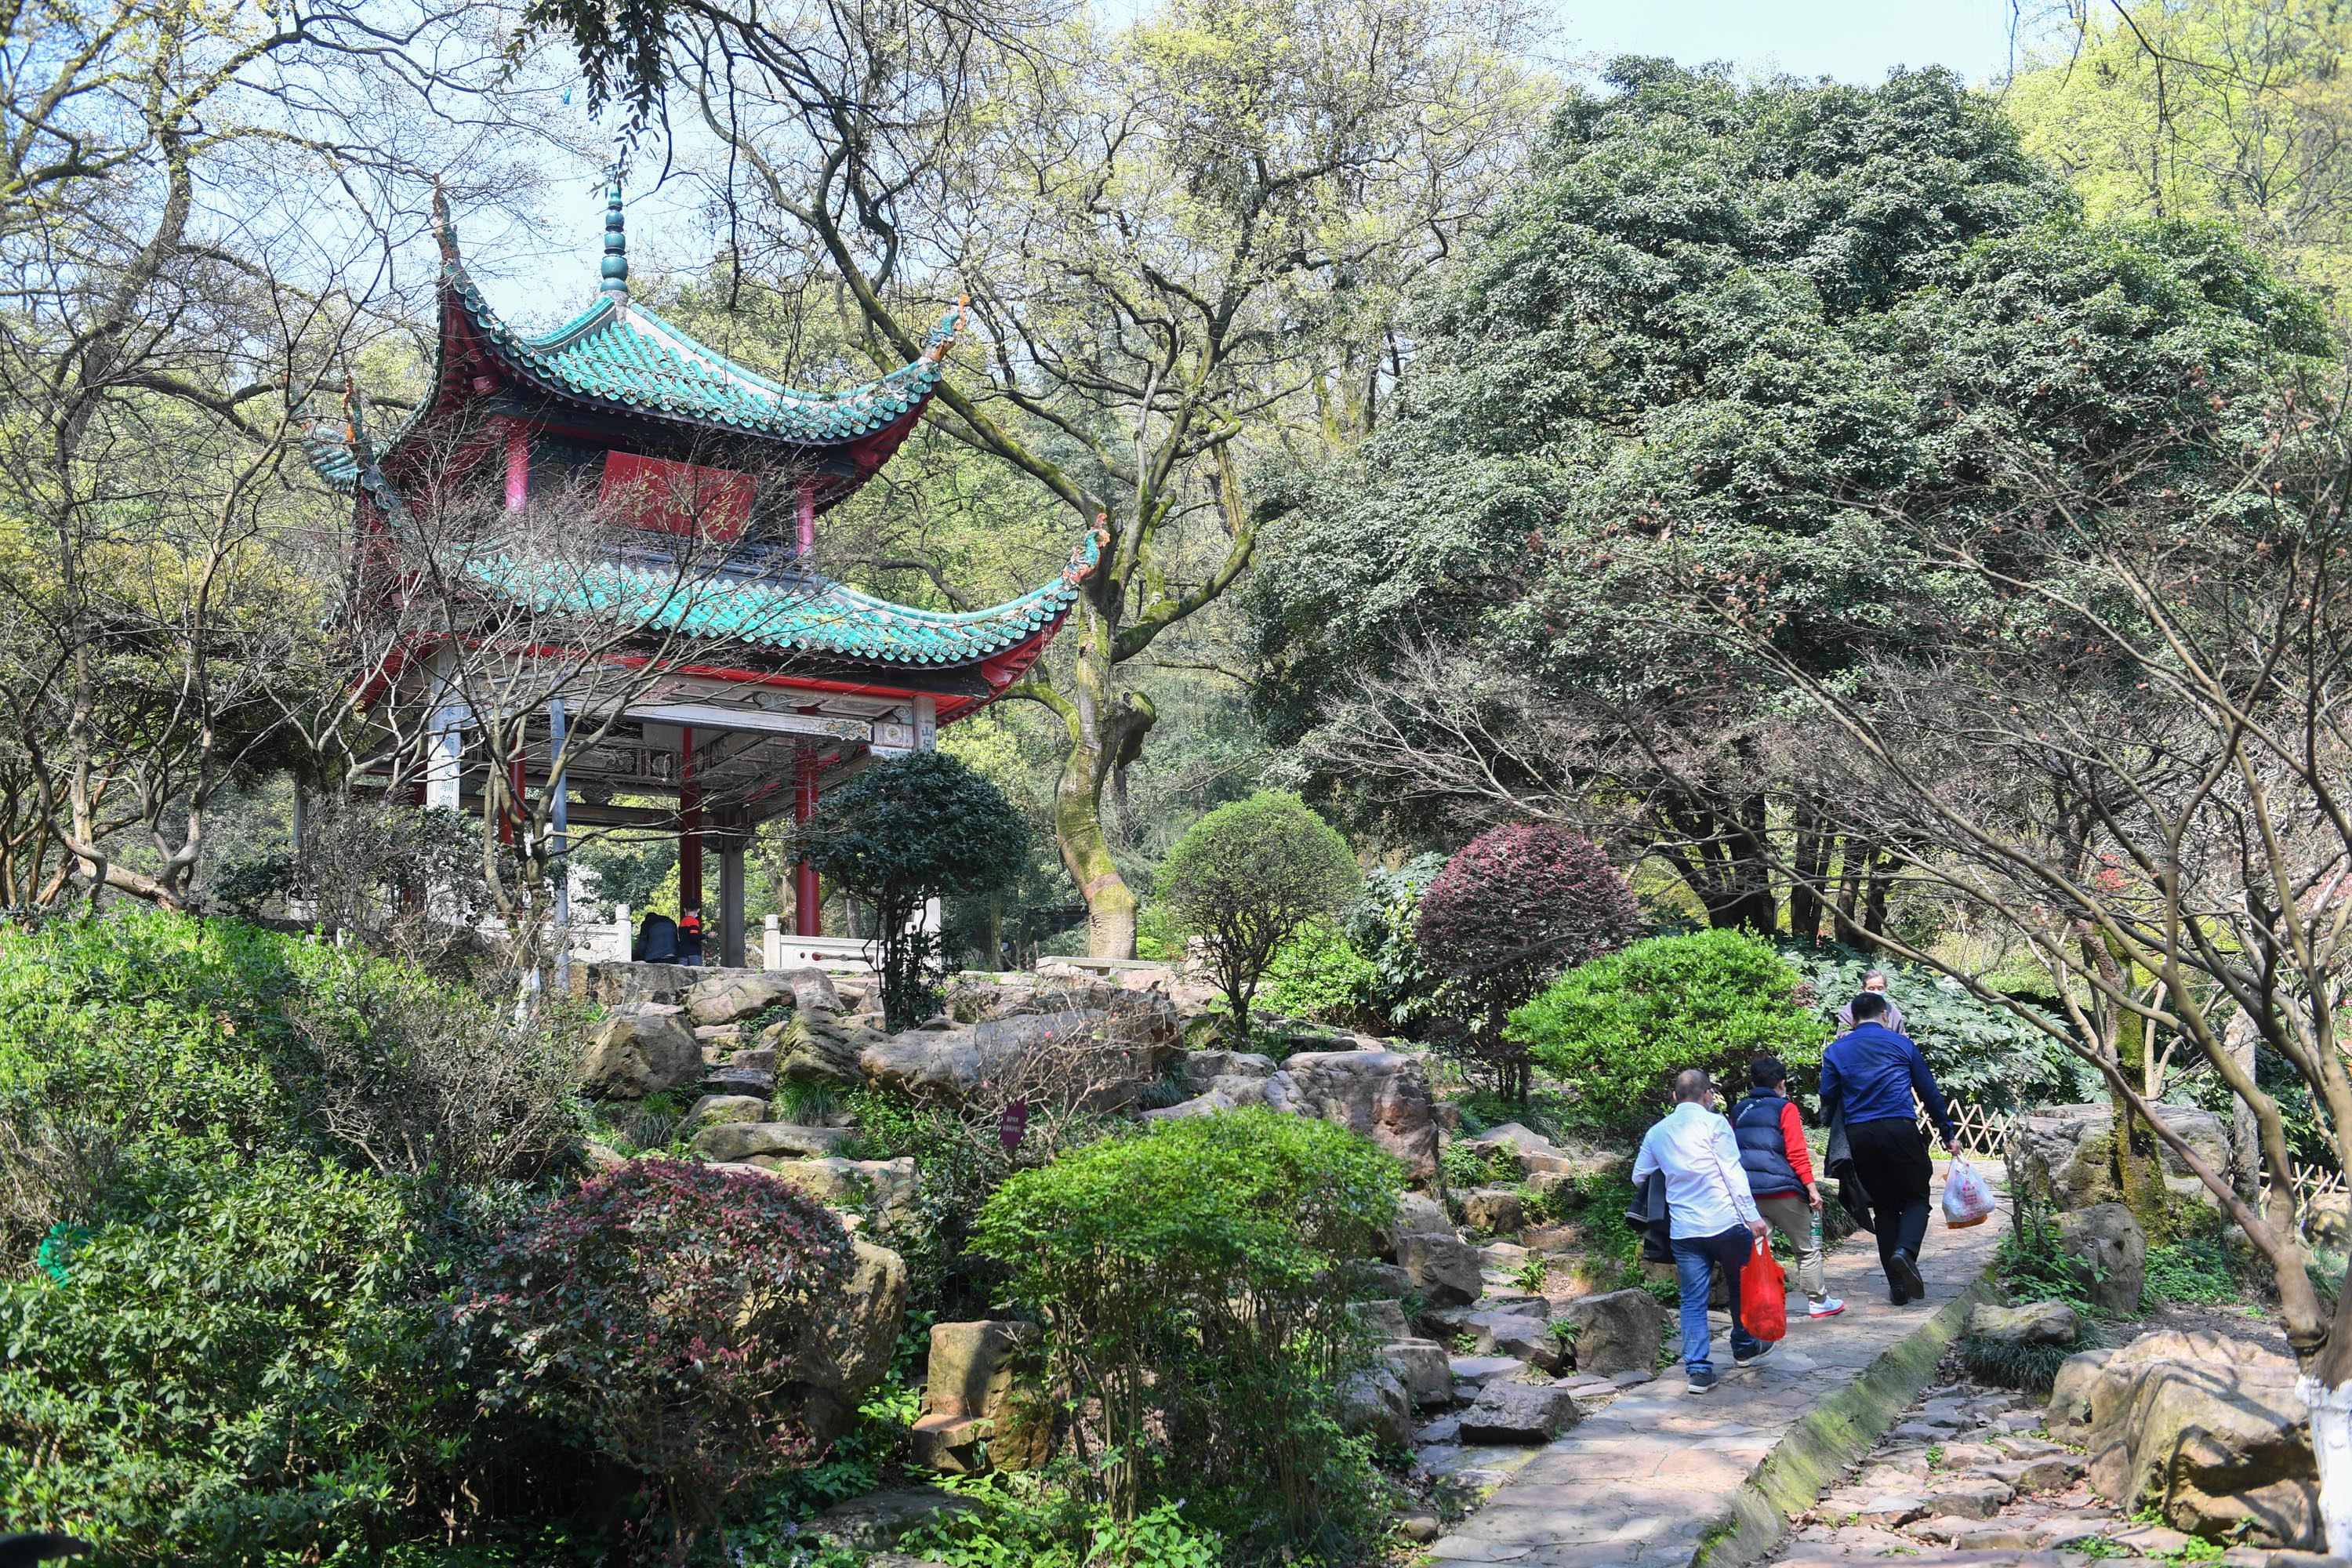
(2331, 1443)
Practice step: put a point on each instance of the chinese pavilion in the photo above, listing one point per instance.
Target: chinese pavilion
(808, 680)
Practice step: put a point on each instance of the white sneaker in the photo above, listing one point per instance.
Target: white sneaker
(1827, 1307)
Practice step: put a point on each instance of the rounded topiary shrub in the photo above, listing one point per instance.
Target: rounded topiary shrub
(1249, 876)
(658, 1311)
(1616, 1030)
(1511, 908)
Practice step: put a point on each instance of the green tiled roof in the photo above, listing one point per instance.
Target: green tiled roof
(803, 613)
(617, 354)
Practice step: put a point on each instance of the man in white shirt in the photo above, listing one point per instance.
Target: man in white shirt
(1715, 1223)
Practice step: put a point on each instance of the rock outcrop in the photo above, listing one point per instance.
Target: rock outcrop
(2067, 1151)
(731, 1143)
(983, 1407)
(1373, 1403)
(712, 1110)
(1518, 1413)
(1382, 1094)
(2108, 1252)
(1098, 1059)
(845, 1343)
(619, 985)
(1443, 1269)
(2036, 1323)
(1620, 1330)
(2208, 1430)
(731, 996)
(643, 1049)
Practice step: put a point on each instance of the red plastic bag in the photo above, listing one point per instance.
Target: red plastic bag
(1764, 1294)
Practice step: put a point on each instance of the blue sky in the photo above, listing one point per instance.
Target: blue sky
(1853, 40)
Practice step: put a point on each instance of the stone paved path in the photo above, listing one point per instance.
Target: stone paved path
(1645, 1481)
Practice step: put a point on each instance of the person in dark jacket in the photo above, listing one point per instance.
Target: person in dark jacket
(656, 940)
(1868, 1076)
(1771, 1136)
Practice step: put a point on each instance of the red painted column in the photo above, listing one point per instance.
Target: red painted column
(518, 467)
(689, 842)
(807, 900)
(807, 537)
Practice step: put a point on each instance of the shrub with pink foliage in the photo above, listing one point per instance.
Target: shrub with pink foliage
(657, 1310)
(1512, 908)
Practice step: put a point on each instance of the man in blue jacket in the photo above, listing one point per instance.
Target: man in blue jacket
(1868, 1076)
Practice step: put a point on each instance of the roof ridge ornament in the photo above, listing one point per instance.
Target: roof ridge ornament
(615, 268)
(445, 231)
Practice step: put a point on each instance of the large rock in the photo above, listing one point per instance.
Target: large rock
(874, 1522)
(980, 1411)
(2108, 1252)
(1443, 1269)
(1518, 1334)
(1202, 1069)
(1373, 1403)
(1493, 1211)
(1518, 1413)
(882, 1188)
(1619, 1331)
(732, 1142)
(1384, 1095)
(731, 996)
(640, 1050)
(2036, 1323)
(814, 1045)
(1093, 1059)
(846, 1339)
(1424, 1369)
(618, 984)
(2208, 1430)
(712, 1110)
(2067, 1151)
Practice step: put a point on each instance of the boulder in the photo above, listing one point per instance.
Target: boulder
(618, 984)
(734, 1142)
(1424, 1369)
(2107, 1253)
(1479, 1371)
(712, 1110)
(640, 1050)
(1092, 1059)
(1529, 1339)
(1373, 1403)
(1518, 1413)
(980, 1411)
(1492, 1210)
(2066, 1152)
(1443, 1269)
(1976, 1496)
(1202, 1069)
(1418, 1214)
(2036, 1323)
(846, 1339)
(733, 1082)
(875, 1523)
(2208, 1430)
(1379, 1282)
(2327, 1220)
(1382, 1094)
(877, 1187)
(813, 1045)
(1383, 1318)
(1619, 1331)
(731, 996)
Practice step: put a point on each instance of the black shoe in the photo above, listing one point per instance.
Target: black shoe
(1743, 1358)
(1904, 1274)
(1895, 1298)
(1702, 1382)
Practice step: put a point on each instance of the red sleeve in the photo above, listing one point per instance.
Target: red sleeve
(1792, 1134)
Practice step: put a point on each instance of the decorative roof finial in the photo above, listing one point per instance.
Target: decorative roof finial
(615, 269)
(444, 230)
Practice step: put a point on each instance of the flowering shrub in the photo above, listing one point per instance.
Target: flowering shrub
(656, 1312)
(1512, 908)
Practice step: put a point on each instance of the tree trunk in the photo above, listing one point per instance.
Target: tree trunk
(1077, 798)
(1813, 857)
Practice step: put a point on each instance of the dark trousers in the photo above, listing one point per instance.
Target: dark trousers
(1891, 1158)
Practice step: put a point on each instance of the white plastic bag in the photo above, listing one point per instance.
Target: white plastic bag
(1967, 1197)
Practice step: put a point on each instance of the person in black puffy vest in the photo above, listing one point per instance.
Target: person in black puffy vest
(1771, 1137)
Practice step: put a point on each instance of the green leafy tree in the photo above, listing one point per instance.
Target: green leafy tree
(1247, 877)
(1733, 348)
(1191, 1276)
(1618, 1028)
(905, 832)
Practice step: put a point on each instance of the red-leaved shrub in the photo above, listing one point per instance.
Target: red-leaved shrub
(655, 1313)
(1512, 909)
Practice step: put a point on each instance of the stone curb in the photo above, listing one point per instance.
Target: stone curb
(1816, 1451)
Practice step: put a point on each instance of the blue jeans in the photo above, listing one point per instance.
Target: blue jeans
(1697, 1257)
